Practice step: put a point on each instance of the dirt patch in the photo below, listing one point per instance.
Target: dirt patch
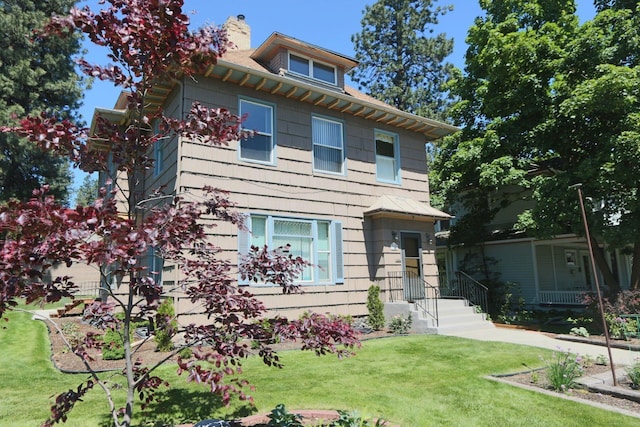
(145, 350)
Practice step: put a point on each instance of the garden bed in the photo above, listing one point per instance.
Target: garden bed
(622, 398)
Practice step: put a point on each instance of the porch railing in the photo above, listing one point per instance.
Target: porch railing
(408, 286)
(562, 297)
(466, 287)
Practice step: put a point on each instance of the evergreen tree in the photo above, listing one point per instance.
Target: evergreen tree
(87, 192)
(36, 74)
(400, 63)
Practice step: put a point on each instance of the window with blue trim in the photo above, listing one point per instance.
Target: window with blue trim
(317, 241)
(387, 157)
(328, 145)
(257, 117)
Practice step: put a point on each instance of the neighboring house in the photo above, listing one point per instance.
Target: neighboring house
(340, 176)
(546, 273)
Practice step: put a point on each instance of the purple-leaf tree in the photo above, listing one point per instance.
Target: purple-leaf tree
(148, 42)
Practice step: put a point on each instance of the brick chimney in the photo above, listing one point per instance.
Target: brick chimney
(239, 32)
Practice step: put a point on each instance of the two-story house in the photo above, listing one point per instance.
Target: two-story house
(336, 174)
(552, 272)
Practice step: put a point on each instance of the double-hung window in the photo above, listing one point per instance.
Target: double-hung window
(155, 264)
(316, 241)
(257, 117)
(328, 145)
(387, 157)
(310, 68)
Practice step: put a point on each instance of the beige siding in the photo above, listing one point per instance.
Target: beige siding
(291, 188)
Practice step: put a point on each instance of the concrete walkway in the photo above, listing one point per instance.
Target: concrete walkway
(539, 339)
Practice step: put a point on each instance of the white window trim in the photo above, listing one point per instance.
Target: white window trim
(311, 63)
(343, 172)
(336, 259)
(272, 161)
(396, 153)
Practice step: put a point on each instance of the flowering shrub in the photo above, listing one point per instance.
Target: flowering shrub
(620, 327)
(563, 370)
(400, 325)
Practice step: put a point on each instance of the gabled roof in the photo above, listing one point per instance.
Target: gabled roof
(403, 207)
(267, 50)
(241, 68)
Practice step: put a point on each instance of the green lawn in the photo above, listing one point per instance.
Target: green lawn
(412, 381)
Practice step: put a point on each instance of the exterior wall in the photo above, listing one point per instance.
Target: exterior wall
(291, 188)
(515, 264)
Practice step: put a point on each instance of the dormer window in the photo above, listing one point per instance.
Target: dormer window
(310, 68)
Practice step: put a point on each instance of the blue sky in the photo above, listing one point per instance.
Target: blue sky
(328, 23)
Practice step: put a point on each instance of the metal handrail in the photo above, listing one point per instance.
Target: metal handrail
(408, 286)
(466, 287)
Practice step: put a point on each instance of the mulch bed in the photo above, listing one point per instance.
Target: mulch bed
(537, 380)
(68, 362)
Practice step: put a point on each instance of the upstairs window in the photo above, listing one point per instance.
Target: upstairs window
(258, 117)
(387, 157)
(328, 145)
(310, 68)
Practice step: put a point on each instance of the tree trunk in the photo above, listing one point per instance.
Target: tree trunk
(607, 275)
(635, 267)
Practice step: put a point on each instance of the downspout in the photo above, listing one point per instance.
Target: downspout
(178, 186)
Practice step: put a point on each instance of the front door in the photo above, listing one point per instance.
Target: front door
(413, 286)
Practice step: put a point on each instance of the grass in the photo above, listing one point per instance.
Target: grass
(412, 381)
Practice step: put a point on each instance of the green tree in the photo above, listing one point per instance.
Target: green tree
(400, 63)
(35, 74)
(544, 94)
(87, 192)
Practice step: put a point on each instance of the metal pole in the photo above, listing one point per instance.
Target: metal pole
(597, 281)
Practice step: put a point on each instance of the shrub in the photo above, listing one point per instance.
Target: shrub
(186, 353)
(400, 325)
(633, 373)
(166, 326)
(353, 419)
(72, 333)
(280, 417)
(579, 331)
(113, 348)
(376, 308)
(563, 370)
(619, 327)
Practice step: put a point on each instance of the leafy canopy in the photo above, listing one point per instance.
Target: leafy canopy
(547, 103)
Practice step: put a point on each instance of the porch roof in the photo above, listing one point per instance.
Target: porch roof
(403, 207)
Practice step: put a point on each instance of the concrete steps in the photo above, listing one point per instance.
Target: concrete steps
(75, 307)
(454, 315)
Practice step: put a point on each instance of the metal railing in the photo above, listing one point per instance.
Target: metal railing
(408, 286)
(466, 287)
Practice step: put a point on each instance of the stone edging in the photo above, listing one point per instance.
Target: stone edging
(586, 340)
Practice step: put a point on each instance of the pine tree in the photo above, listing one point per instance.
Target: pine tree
(36, 74)
(400, 63)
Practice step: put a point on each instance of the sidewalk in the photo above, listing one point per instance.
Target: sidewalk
(539, 339)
